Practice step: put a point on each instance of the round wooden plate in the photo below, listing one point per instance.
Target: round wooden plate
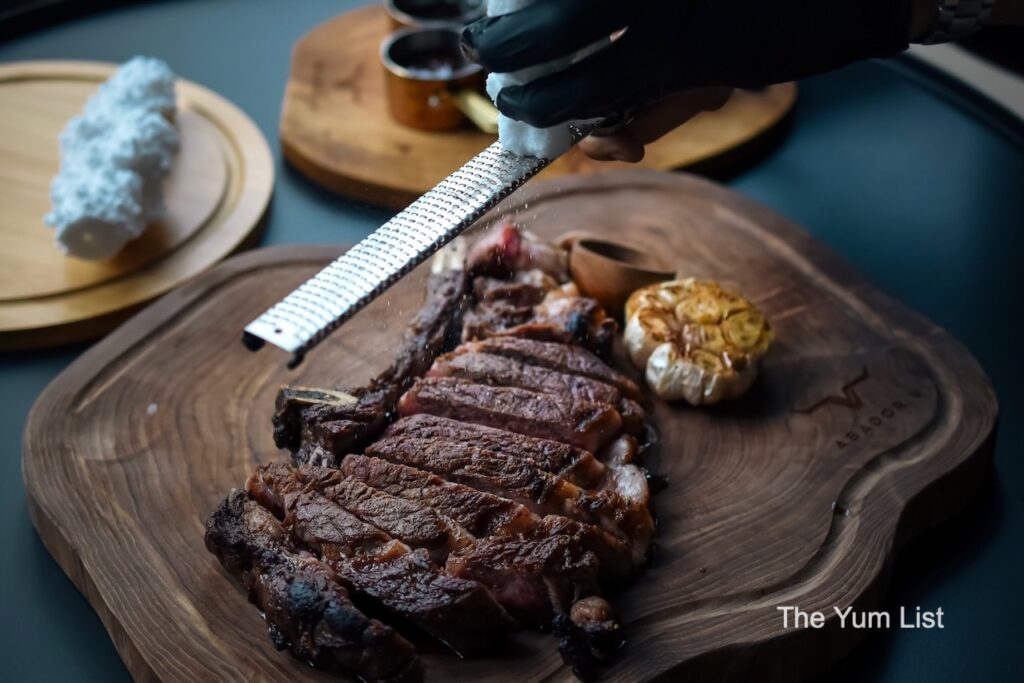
(335, 127)
(216, 194)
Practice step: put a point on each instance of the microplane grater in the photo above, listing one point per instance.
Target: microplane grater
(305, 317)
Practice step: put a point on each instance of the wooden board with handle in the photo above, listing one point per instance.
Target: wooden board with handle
(336, 129)
(867, 425)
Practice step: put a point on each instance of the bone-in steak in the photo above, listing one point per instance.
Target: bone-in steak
(304, 422)
(461, 496)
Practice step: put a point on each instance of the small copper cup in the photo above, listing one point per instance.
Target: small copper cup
(430, 83)
(410, 13)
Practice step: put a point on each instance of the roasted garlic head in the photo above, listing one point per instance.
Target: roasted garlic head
(695, 340)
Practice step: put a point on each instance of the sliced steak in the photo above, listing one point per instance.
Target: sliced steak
(461, 613)
(522, 481)
(525, 291)
(488, 318)
(576, 464)
(535, 579)
(487, 368)
(307, 610)
(586, 425)
(561, 357)
(413, 524)
(483, 514)
(560, 319)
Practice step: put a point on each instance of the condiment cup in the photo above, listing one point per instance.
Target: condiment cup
(609, 271)
(430, 84)
(409, 13)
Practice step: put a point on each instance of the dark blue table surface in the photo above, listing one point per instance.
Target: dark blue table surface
(913, 188)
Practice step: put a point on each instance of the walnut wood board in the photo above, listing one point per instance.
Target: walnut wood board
(215, 196)
(868, 425)
(336, 129)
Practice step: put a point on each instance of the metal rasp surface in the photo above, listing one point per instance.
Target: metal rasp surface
(306, 316)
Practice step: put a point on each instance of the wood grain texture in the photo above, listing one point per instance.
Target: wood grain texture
(336, 128)
(216, 196)
(868, 425)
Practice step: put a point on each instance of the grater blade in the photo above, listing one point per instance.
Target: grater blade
(306, 316)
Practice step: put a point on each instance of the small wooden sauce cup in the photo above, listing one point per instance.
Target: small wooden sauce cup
(609, 272)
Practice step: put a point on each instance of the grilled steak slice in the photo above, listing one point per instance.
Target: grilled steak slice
(554, 569)
(486, 368)
(560, 319)
(481, 514)
(306, 609)
(308, 418)
(535, 579)
(521, 480)
(566, 320)
(413, 524)
(526, 290)
(577, 465)
(561, 357)
(574, 463)
(484, 514)
(490, 317)
(461, 613)
(304, 420)
(586, 425)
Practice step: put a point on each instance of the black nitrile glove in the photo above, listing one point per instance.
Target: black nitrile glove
(675, 45)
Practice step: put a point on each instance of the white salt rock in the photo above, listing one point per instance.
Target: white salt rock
(114, 157)
(522, 138)
(98, 213)
(140, 83)
(526, 140)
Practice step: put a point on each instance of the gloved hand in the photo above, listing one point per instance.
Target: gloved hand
(671, 46)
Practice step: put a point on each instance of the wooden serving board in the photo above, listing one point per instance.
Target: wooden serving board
(336, 129)
(215, 197)
(868, 425)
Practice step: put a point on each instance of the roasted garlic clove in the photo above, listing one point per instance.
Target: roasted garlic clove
(695, 340)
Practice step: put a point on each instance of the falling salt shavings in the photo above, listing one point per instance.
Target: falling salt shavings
(151, 409)
(113, 159)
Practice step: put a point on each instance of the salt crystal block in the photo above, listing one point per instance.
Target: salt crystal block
(521, 138)
(525, 140)
(114, 157)
(96, 213)
(141, 83)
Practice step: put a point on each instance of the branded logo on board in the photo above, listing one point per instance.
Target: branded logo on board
(849, 399)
